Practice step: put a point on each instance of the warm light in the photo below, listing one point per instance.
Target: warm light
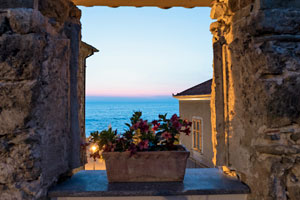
(228, 171)
(93, 148)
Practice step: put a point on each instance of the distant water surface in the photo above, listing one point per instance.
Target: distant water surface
(103, 111)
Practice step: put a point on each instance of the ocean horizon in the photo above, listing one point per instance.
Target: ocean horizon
(102, 112)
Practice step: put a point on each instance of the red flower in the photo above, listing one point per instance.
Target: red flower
(187, 131)
(155, 123)
(155, 127)
(186, 123)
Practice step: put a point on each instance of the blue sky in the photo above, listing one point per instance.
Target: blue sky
(146, 51)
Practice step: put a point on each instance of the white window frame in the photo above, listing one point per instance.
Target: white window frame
(200, 150)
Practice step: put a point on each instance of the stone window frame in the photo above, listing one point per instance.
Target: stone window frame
(199, 146)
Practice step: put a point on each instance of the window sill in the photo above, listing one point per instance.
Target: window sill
(198, 150)
(207, 182)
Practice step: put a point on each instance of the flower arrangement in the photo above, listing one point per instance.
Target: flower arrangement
(141, 135)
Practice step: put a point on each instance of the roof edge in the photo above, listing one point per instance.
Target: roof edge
(201, 85)
(94, 49)
(204, 97)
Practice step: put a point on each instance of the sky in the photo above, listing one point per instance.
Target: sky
(146, 51)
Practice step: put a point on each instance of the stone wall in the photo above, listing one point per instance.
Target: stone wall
(86, 51)
(38, 64)
(257, 68)
(64, 16)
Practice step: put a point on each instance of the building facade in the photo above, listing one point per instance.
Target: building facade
(194, 105)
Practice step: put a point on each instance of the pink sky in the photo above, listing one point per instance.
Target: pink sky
(129, 93)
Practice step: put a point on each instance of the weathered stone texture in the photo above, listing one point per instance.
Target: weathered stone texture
(85, 52)
(271, 4)
(17, 4)
(35, 61)
(261, 67)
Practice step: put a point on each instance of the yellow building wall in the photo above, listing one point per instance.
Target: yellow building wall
(198, 108)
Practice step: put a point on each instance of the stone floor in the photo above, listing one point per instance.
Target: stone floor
(99, 164)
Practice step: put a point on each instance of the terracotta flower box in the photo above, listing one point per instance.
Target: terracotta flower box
(146, 151)
(152, 166)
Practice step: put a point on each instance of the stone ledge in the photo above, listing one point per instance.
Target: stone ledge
(190, 197)
(208, 181)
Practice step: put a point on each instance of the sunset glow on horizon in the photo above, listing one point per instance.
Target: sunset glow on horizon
(128, 94)
(146, 51)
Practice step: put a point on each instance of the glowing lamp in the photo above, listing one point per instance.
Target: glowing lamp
(93, 148)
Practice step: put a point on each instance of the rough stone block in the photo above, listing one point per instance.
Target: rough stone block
(218, 10)
(61, 10)
(244, 3)
(293, 182)
(295, 137)
(282, 105)
(15, 100)
(4, 25)
(17, 63)
(25, 21)
(4, 4)
(276, 21)
(269, 4)
(235, 5)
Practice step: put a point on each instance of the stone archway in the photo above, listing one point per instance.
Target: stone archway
(256, 113)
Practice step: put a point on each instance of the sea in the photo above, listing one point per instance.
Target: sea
(104, 112)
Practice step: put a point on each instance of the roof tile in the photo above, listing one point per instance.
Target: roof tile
(201, 89)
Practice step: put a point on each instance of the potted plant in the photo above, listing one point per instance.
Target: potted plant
(146, 152)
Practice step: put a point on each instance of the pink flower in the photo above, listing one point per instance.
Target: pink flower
(167, 135)
(136, 125)
(142, 125)
(174, 118)
(143, 145)
(177, 125)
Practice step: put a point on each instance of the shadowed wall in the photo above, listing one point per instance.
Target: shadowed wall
(39, 125)
(255, 99)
